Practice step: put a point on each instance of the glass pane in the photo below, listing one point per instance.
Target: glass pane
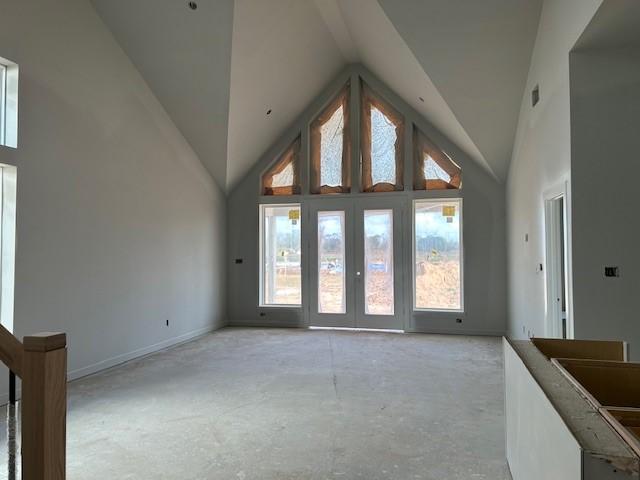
(433, 171)
(378, 260)
(284, 178)
(3, 100)
(281, 255)
(437, 255)
(331, 266)
(331, 149)
(383, 148)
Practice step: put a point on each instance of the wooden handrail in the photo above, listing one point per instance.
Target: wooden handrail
(11, 351)
(41, 362)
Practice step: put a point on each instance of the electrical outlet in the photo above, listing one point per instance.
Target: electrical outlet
(611, 272)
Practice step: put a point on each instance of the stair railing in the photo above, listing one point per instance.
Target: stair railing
(41, 362)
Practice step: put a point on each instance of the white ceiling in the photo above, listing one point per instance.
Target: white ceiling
(185, 57)
(477, 53)
(283, 56)
(468, 60)
(616, 24)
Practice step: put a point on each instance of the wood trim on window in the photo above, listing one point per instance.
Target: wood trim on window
(291, 156)
(369, 99)
(341, 100)
(423, 147)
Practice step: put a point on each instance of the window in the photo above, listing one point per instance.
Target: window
(433, 168)
(330, 145)
(3, 101)
(382, 140)
(280, 255)
(437, 274)
(8, 103)
(283, 178)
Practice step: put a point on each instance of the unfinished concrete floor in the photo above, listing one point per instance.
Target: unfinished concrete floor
(281, 404)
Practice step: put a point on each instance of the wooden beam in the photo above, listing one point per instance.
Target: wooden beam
(44, 407)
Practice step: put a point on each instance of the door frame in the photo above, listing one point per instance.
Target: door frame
(555, 243)
(397, 321)
(330, 320)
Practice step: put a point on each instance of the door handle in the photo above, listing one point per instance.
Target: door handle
(357, 274)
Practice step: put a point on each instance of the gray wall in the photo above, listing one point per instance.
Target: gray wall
(119, 226)
(541, 158)
(605, 108)
(484, 231)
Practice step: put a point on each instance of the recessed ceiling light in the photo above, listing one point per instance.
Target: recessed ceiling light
(193, 5)
(421, 99)
(269, 112)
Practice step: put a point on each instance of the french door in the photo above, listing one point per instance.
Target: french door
(355, 250)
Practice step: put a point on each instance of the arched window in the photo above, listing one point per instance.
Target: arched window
(330, 147)
(381, 141)
(283, 178)
(433, 169)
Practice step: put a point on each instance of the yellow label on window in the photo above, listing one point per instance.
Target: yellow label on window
(449, 211)
(294, 214)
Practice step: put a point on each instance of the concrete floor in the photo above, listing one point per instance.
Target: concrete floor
(280, 404)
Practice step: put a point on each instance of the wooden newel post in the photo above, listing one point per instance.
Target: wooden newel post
(44, 406)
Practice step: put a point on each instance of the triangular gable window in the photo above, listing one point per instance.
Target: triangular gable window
(330, 147)
(382, 140)
(433, 168)
(283, 177)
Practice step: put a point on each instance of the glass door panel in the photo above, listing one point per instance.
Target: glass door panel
(332, 296)
(379, 269)
(330, 234)
(378, 262)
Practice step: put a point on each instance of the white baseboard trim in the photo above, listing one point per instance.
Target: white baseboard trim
(444, 331)
(141, 352)
(125, 357)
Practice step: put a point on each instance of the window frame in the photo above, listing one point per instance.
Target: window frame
(342, 98)
(369, 99)
(420, 143)
(293, 149)
(261, 264)
(460, 202)
(3, 102)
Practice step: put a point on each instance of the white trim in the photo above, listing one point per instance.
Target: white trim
(126, 357)
(261, 208)
(552, 328)
(415, 201)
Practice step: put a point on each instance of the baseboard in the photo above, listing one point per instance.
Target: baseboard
(441, 331)
(444, 331)
(125, 357)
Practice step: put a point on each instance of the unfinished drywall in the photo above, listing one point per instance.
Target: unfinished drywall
(605, 107)
(541, 158)
(483, 230)
(119, 226)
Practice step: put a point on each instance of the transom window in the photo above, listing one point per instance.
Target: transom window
(3, 101)
(283, 178)
(433, 168)
(330, 145)
(8, 103)
(382, 140)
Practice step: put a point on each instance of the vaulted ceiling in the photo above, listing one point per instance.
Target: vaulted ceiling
(220, 68)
